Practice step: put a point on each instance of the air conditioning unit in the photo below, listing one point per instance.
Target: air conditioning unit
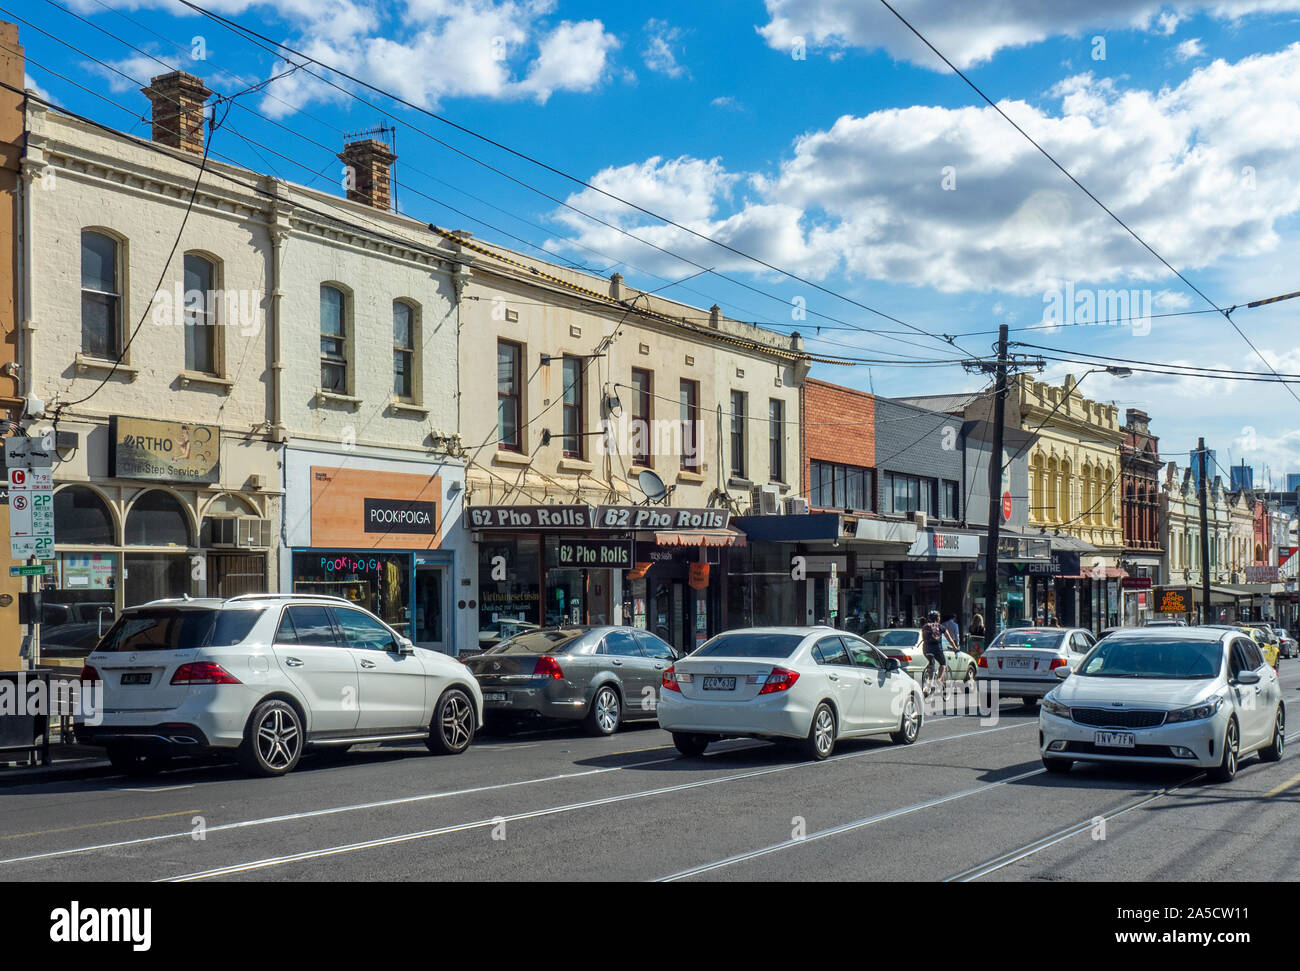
(797, 506)
(920, 518)
(765, 500)
(254, 532)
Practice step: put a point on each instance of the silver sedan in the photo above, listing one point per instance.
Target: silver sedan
(905, 644)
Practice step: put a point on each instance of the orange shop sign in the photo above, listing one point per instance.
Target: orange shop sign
(364, 509)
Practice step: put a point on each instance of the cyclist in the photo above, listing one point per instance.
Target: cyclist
(933, 637)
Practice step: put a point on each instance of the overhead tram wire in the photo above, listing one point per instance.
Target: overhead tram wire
(1189, 368)
(273, 46)
(1227, 314)
(846, 325)
(351, 220)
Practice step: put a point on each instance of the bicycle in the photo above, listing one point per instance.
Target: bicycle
(931, 679)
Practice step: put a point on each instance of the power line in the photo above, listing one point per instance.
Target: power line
(1227, 314)
(249, 33)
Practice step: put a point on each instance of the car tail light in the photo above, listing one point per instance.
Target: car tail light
(983, 662)
(670, 681)
(89, 674)
(781, 679)
(905, 658)
(548, 667)
(1057, 662)
(203, 672)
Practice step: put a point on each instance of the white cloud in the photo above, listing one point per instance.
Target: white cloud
(865, 197)
(1190, 49)
(30, 84)
(973, 31)
(658, 53)
(726, 101)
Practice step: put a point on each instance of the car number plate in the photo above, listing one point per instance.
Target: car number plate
(719, 684)
(1017, 662)
(1115, 739)
(137, 678)
(494, 696)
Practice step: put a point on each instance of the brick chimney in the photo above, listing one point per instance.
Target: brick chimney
(369, 161)
(178, 100)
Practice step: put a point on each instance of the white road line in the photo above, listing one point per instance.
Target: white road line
(843, 828)
(537, 813)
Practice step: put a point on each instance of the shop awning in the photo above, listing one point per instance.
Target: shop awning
(701, 537)
(1112, 573)
(790, 529)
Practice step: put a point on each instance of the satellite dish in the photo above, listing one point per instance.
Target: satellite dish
(651, 485)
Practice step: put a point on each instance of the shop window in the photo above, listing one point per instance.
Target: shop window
(508, 581)
(77, 603)
(200, 314)
(101, 296)
(156, 576)
(81, 518)
(157, 518)
(379, 582)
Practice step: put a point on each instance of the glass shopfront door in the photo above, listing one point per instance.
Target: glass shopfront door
(431, 598)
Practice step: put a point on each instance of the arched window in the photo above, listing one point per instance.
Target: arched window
(224, 507)
(1107, 503)
(1053, 492)
(157, 518)
(1038, 502)
(101, 295)
(1086, 497)
(81, 518)
(201, 305)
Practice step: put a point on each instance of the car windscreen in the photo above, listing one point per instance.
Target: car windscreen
(1045, 639)
(767, 646)
(892, 638)
(1127, 657)
(540, 642)
(178, 628)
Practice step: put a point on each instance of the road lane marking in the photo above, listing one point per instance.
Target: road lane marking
(539, 813)
(107, 822)
(1283, 787)
(1060, 836)
(843, 828)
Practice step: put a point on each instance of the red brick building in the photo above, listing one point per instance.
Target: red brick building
(839, 442)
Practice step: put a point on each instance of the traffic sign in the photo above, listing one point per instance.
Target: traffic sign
(39, 570)
(31, 513)
(29, 451)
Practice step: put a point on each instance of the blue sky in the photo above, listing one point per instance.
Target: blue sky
(818, 136)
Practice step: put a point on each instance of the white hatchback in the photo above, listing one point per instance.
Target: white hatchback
(265, 676)
(814, 685)
(1195, 696)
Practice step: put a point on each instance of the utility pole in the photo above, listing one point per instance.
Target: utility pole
(1203, 493)
(995, 483)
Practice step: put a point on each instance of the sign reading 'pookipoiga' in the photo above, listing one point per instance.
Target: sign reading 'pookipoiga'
(400, 516)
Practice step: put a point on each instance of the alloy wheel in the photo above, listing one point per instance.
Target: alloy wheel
(457, 719)
(824, 731)
(278, 739)
(1230, 743)
(911, 719)
(607, 710)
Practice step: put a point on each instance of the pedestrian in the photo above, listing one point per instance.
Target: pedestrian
(950, 625)
(977, 633)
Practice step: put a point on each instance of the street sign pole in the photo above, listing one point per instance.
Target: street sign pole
(991, 617)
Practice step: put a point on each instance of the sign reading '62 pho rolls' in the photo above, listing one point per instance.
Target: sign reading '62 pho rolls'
(166, 451)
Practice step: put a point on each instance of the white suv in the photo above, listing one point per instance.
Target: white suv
(265, 676)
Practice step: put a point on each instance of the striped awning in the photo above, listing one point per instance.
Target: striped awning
(701, 537)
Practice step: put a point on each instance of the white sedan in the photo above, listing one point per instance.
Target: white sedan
(1197, 696)
(813, 685)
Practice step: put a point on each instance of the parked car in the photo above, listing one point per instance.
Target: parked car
(1290, 646)
(1022, 660)
(266, 676)
(812, 686)
(906, 644)
(1197, 696)
(1268, 643)
(600, 676)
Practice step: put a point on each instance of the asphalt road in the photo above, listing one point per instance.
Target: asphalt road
(968, 801)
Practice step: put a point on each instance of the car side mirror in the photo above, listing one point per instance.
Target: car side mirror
(1063, 672)
(891, 664)
(404, 646)
(1248, 677)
